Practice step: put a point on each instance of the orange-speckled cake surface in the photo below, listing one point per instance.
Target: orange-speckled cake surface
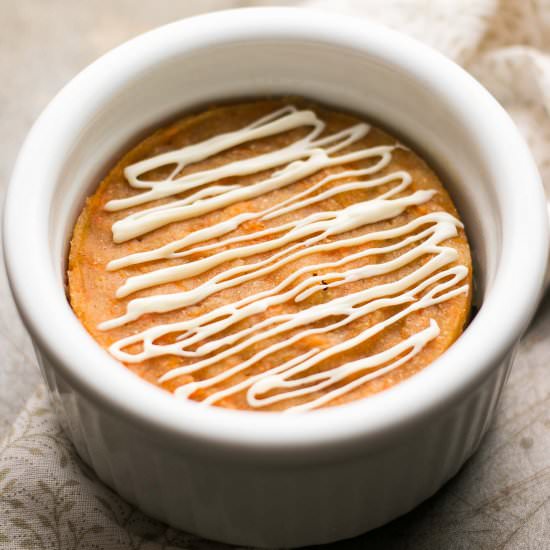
(265, 281)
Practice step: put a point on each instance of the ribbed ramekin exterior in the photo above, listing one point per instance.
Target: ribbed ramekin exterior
(274, 505)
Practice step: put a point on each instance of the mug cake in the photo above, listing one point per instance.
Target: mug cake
(271, 255)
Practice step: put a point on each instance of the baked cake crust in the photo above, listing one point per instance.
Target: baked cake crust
(411, 340)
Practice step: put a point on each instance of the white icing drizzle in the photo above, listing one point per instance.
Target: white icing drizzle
(213, 337)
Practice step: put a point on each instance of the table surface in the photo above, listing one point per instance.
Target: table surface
(500, 499)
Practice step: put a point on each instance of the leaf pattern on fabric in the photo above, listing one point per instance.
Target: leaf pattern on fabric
(50, 500)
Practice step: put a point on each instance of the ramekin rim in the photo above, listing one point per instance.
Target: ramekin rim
(372, 418)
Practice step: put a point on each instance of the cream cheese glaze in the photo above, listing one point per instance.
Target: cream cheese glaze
(437, 279)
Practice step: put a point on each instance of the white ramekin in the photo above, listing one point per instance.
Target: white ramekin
(272, 479)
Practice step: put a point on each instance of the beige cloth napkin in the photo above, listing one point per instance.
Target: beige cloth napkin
(505, 44)
(50, 500)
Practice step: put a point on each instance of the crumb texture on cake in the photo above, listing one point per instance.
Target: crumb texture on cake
(271, 255)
